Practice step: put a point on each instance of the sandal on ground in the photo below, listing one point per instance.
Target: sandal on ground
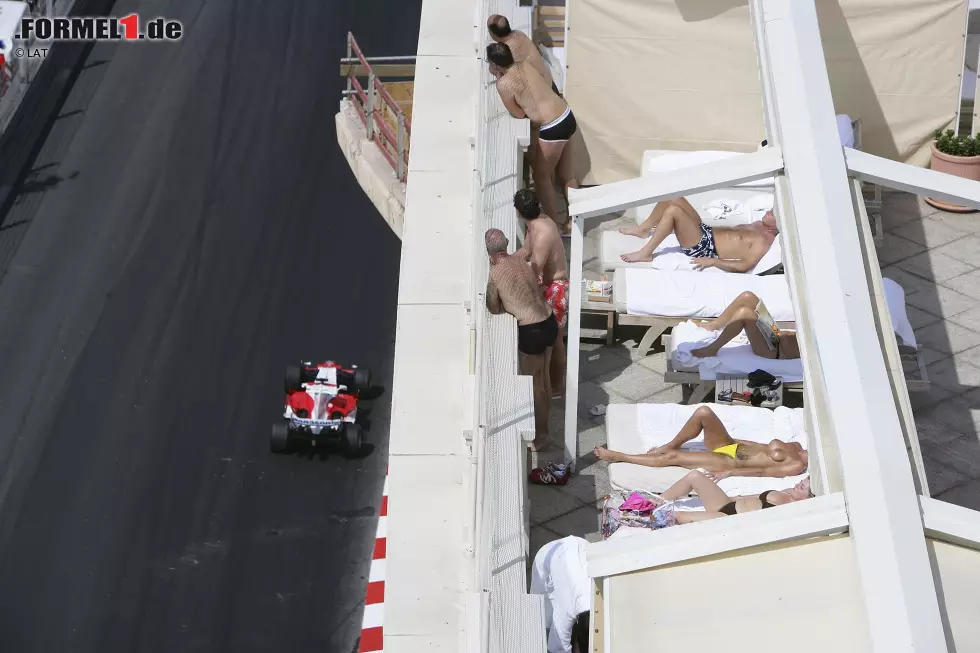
(551, 474)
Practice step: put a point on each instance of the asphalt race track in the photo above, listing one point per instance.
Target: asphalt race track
(189, 227)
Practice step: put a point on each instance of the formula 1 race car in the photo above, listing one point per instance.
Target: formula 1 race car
(321, 405)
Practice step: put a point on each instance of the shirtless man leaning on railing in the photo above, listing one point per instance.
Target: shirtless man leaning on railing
(526, 94)
(521, 47)
(544, 250)
(513, 288)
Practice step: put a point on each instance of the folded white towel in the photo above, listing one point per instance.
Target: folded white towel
(696, 337)
(725, 210)
(735, 212)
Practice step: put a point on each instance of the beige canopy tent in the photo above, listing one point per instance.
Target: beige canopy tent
(683, 75)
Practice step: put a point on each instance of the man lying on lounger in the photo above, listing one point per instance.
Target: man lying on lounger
(732, 249)
(748, 313)
(724, 456)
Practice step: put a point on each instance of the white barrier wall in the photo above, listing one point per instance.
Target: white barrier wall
(802, 597)
(958, 580)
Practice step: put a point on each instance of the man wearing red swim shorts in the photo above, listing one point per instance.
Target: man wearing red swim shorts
(544, 249)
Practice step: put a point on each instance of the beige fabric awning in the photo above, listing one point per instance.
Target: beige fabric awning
(683, 75)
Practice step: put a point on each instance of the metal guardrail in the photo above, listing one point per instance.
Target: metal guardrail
(394, 145)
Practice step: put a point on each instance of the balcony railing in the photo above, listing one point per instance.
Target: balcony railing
(383, 117)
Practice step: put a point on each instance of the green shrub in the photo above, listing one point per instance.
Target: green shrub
(949, 143)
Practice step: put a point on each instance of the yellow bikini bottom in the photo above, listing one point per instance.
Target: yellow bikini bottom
(727, 450)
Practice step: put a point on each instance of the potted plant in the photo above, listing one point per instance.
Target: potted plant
(955, 155)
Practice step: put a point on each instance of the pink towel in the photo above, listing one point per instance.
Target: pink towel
(637, 503)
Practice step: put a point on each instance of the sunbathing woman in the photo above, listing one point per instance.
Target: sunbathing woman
(718, 504)
(742, 315)
(724, 456)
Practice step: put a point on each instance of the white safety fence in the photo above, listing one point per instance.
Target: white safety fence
(509, 619)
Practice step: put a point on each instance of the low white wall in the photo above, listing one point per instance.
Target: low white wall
(370, 167)
(958, 578)
(803, 597)
(427, 568)
(465, 165)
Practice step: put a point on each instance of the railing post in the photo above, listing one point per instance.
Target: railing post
(480, 516)
(401, 146)
(350, 53)
(370, 106)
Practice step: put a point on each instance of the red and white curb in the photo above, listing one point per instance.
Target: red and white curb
(372, 627)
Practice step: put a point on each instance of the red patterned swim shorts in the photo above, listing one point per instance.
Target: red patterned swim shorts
(556, 294)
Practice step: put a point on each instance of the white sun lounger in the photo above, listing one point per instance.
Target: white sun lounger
(755, 197)
(637, 428)
(659, 299)
(612, 244)
(737, 358)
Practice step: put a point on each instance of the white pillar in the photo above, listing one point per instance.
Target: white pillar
(886, 526)
(574, 338)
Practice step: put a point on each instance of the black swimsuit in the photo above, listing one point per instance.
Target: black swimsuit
(729, 508)
(534, 339)
(561, 128)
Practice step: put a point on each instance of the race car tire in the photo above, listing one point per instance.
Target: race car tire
(279, 442)
(352, 437)
(294, 378)
(362, 378)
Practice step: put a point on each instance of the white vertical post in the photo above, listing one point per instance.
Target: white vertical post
(963, 71)
(976, 100)
(768, 101)
(885, 524)
(564, 70)
(350, 55)
(401, 146)
(485, 599)
(370, 106)
(481, 517)
(574, 337)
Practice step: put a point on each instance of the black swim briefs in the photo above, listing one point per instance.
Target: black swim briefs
(533, 339)
(559, 129)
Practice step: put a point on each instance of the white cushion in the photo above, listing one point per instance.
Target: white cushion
(696, 294)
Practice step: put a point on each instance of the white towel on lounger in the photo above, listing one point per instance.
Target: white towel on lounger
(725, 210)
(735, 357)
(736, 213)
(696, 337)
